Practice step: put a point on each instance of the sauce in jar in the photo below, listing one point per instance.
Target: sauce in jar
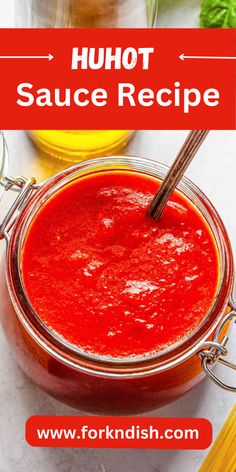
(105, 277)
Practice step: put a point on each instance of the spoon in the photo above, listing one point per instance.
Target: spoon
(186, 154)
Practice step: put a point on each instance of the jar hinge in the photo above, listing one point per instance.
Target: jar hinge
(217, 352)
(24, 188)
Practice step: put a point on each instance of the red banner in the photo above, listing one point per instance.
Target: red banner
(119, 432)
(117, 79)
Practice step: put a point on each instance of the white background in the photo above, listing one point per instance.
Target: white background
(214, 170)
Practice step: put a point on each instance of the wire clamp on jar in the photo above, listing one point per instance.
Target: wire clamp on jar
(217, 351)
(23, 187)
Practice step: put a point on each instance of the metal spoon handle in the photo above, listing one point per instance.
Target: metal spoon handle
(182, 161)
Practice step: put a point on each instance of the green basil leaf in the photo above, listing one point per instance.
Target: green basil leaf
(218, 14)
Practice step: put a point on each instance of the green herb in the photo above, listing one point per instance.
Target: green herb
(218, 14)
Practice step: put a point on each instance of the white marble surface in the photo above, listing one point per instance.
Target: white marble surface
(214, 170)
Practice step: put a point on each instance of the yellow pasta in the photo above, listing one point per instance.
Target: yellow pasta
(222, 456)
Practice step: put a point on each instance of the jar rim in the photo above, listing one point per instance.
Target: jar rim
(3, 162)
(60, 347)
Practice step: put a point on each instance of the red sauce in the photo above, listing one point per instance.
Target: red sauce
(107, 278)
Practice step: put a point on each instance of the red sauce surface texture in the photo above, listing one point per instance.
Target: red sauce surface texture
(107, 278)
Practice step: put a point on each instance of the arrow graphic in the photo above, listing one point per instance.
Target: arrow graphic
(49, 57)
(183, 57)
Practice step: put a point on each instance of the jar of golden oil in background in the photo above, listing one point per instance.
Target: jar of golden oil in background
(78, 144)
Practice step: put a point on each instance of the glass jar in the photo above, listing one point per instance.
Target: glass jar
(78, 144)
(86, 13)
(87, 382)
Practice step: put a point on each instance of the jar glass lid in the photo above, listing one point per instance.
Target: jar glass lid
(3, 162)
